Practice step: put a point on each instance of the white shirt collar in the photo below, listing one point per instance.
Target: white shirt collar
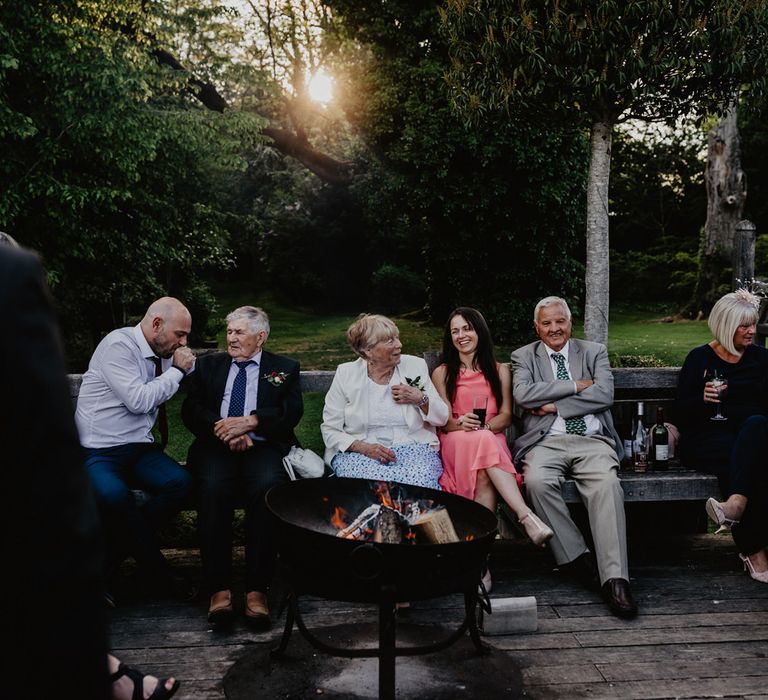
(256, 359)
(563, 351)
(141, 341)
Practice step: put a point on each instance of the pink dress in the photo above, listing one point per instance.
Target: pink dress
(465, 451)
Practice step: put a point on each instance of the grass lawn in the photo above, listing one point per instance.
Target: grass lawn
(318, 342)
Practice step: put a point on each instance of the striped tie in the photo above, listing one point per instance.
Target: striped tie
(573, 426)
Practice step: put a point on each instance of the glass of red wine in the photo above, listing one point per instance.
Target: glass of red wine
(480, 407)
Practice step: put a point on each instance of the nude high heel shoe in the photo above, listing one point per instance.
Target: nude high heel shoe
(537, 531)
(761, 576)
(716, 513)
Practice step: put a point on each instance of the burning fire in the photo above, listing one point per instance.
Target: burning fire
(396, 519)
(339, 518)
(382, 491)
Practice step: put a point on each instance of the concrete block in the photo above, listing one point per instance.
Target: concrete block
(510, 616)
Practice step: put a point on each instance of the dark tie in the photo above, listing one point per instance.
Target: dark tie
(237, 398)
(573, 426)
(162, 416)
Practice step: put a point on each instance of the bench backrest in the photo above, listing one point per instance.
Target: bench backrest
(630, 383)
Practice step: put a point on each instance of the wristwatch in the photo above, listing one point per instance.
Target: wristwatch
(424, 400)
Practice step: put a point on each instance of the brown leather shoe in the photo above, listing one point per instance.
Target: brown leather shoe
(220, 611)
(256, 610)
(618, 596)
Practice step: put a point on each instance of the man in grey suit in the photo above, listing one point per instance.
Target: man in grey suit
(565, 388)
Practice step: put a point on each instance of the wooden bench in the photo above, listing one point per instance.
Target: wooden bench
(654, 386)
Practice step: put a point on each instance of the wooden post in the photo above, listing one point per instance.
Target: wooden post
(743, 253)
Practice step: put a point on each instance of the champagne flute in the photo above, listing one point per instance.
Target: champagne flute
(720, 384)
(480, 407)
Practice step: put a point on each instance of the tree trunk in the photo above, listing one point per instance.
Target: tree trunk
(726, 193)
(598, 268)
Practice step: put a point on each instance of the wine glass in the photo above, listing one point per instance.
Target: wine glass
(480, 407)
(720, 384)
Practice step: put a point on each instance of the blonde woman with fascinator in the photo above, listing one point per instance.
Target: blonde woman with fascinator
(726, 434)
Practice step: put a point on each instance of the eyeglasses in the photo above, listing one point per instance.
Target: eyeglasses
(389, 342)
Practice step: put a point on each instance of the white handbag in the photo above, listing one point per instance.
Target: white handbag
(301, 463)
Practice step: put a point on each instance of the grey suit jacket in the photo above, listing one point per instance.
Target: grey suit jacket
(534, 385)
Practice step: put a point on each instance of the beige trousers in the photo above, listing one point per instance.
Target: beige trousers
(593, 465)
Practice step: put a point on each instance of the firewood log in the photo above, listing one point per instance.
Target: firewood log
(389, 527)
(436, 527)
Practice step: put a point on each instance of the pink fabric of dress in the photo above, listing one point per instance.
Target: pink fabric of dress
(464, 452)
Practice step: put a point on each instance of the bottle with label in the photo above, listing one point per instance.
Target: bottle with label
(640, 440)
(626, 430)
(660, 442)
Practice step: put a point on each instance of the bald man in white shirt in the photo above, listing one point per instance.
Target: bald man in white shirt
(132, 372)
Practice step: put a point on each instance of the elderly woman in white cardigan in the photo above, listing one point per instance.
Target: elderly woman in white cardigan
(381, 411)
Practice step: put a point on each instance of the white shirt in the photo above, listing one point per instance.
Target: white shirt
(119, 396)
(386, 423)
(251, 388)
(558, 427)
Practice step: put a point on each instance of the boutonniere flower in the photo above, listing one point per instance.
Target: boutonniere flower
(275, 378)
(415, 382)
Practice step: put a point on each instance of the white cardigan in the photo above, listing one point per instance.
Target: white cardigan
(345, 415)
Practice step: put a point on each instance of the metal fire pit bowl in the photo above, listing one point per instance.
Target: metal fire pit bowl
(320, 564)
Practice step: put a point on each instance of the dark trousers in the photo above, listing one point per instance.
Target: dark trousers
(131, 529)
(739, 459)
(225, 480)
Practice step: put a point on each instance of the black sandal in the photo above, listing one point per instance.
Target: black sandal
(159, 693)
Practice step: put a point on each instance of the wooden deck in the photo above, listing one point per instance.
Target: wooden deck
(702, 630)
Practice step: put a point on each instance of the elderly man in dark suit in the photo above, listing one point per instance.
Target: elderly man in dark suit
(565, 388)
(242, 406)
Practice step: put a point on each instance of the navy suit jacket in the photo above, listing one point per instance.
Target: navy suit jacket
(279, 408)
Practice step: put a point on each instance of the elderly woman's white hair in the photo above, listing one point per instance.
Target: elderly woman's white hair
(368, 330)
(255, 317)
(739, 308)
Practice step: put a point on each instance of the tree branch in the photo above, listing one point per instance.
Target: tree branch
(327, 168)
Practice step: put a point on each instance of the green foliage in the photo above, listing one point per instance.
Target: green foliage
(656, 276)
(754, 156)
(604, 60)
(657, 196)
(396, 289)
(491, 213)
(106, 168)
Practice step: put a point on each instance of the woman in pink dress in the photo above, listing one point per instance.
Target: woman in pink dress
(477, 463)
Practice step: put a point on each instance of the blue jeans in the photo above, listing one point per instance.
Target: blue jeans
(131, 529)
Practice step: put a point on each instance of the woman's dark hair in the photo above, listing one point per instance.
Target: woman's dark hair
(484, 359)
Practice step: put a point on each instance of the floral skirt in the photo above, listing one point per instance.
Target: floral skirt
(416, 464)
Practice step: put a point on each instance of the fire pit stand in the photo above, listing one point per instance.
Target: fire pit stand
(387, 650)
(320, 564)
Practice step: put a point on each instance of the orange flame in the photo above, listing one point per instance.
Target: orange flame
(382, 490)
(339, 518)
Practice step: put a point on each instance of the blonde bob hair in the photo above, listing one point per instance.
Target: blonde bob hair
(368, 330)
(739, 308)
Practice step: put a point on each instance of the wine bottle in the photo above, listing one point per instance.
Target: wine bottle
(639, 440)
(660, 440)
(627, 432)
